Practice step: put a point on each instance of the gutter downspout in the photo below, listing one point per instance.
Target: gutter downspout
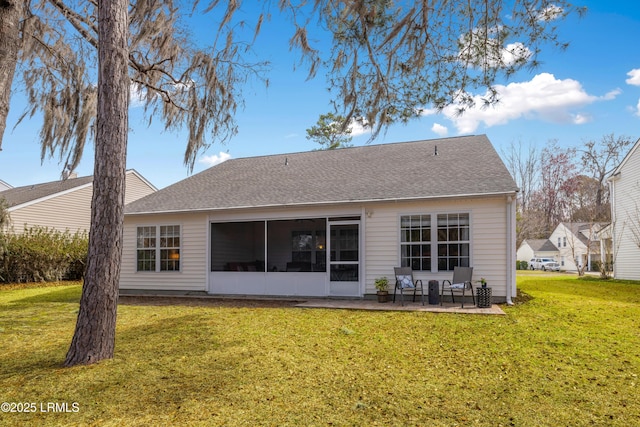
(510, 248)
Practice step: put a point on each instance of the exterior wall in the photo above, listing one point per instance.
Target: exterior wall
(70, 211)
(193, 255)
(492, 241)
(136, 188)
(568, 254)
(489, 241)
(626, 217)
(525, 252)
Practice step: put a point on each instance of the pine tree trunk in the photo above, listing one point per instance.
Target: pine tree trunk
(94, 337)
(10, 15)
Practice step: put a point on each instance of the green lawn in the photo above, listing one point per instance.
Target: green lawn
(567, 354)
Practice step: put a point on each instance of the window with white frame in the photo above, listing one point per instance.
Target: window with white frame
(453, 241)
(158, 248)
(421, 235)
(415, 242)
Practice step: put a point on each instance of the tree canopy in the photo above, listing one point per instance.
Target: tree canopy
(387, 61)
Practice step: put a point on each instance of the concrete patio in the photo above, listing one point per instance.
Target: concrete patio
(203, 299)
(390, 306)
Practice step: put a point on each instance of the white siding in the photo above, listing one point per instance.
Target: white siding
(70, 211)
(380, 235)
(489, 238)
(193, 255)
(626, 218)
(573, 250)
(136, 188)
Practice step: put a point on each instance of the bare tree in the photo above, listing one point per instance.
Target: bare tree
(523, 163)
(599, 159)
(387, 62)
(558, 181)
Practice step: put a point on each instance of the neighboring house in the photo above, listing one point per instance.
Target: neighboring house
(327, 223)
(624, 185)
(63, 205)
(578, 245)
(4, 186)
(537, 248)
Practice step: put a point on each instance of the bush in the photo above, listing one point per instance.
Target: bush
(42, 255)
(522, 265)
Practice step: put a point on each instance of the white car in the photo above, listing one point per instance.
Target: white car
(544, 264)
(551, 266)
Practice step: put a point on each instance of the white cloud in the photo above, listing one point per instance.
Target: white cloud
(634, 77)
(612, 95)
(550, 13)
(136, 95)
(359, 127)
(214, 159)
(515, 52)
(479, 49)
(439, 130)
(544, 97)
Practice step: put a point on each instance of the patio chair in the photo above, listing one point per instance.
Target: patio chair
(460, 283)
(406, 283)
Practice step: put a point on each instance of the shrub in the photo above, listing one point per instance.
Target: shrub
(522, 265)
(42, 255)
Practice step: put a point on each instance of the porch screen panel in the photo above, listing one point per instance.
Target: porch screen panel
(238, 246)
(297, 245)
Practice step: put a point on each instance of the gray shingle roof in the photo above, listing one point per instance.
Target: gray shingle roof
(401, 171)
(541, 245)
(28, 193)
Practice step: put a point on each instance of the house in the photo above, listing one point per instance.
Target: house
(4, 186)
(624, 185)
(536, 248)
(578, 245)
(327, 223)
(63, 205)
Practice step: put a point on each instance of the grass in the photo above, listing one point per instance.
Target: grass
(568, 353)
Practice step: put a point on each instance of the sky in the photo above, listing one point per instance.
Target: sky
(590, 90)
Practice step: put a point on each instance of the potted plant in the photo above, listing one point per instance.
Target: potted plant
(382, 286)
(483, 282)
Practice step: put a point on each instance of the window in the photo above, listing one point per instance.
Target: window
(415, 242)
(158, 248)
(453, 241)
(559, 243)
(421, 234)
(564, 242)
(170, 248)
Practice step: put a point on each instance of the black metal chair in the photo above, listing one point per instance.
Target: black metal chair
(460, 283)
(406, 283)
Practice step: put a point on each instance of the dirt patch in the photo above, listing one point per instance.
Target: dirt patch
(207, 301)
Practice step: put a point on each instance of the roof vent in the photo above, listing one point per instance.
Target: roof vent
(286, 161)
(435, 151)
